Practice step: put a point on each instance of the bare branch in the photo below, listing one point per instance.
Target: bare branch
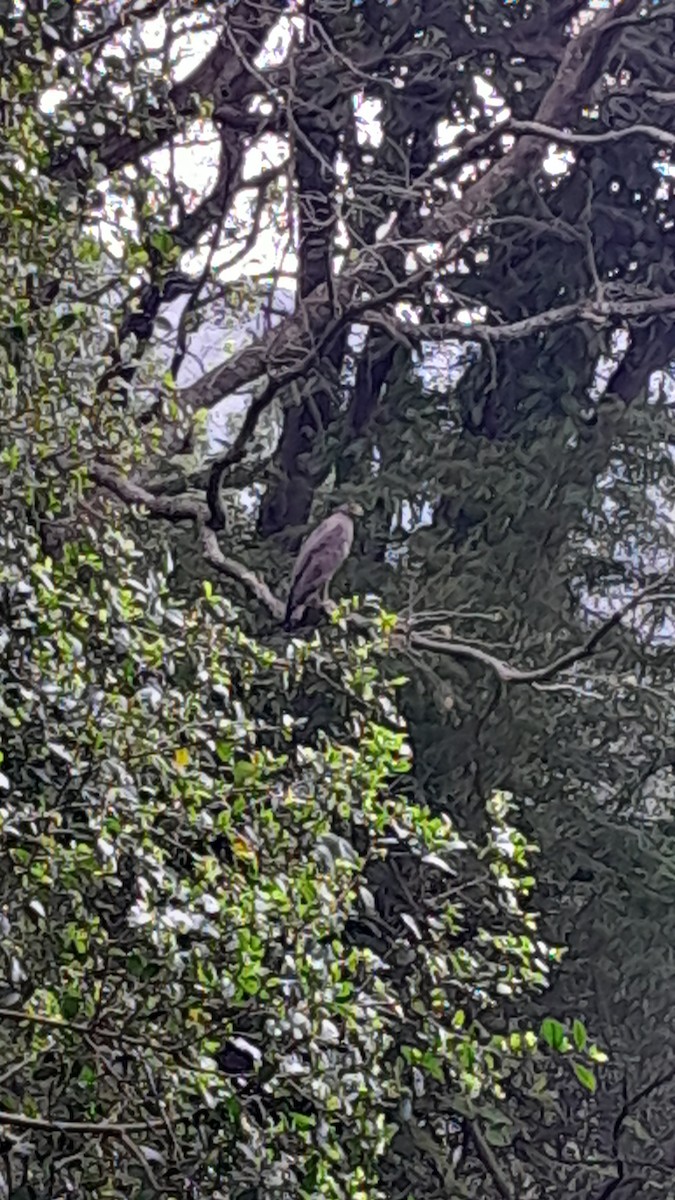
(19, 1015)
(581, 62)
(185, 508)
(567, 137)
(135, 1152)
(536, 675)
(597, 311)
(172, 508)
(234, 570)
(95, 1128)
(489, 1161)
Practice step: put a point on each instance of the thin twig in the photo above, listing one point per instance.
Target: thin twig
(568, 138)
(99, 1128)
(536, 675)
(180, 508)
(489, 1161)
(137, 1153)
(185, 508)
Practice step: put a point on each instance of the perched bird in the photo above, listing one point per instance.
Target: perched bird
(319, 557)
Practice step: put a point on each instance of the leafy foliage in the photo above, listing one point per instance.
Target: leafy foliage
(179, 881)
(189, 997)
(272, 904)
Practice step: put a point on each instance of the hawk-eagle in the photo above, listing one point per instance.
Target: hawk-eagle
(321, 553)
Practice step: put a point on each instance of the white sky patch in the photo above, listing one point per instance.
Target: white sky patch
(192, 46)
(368, 121)
(154, 33)
(557, 161)
(51, 98)
(446, 133)
(488, 93)
(195, 158)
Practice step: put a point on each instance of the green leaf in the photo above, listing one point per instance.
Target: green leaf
(579, 1034)
(431, 1063)
(553, 1033)
(70, 1006)
(585, 1077)
(301, 1121)
(243, 771)
(597, 1054)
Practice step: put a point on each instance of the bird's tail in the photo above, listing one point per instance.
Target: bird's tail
(295, 615)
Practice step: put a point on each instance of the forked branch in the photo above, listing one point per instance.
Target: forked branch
(181, 508)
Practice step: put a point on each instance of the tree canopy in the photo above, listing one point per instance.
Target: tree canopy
(382, 908)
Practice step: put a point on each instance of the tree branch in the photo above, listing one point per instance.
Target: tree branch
(185, 508)
(171, 508)
(581, 62)
(489, 1161)
(536, 675)
(568, 138)
(599, 312)
(100, 1128)
(234, 570)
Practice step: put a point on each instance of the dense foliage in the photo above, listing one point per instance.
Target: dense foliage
(289, 916)
(179, 880)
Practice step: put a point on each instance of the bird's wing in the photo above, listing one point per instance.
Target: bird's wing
(313, 539)
(322, 553)
(308, 582)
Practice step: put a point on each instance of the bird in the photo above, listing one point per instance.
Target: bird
(319, 557)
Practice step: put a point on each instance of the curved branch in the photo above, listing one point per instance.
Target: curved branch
(568, 138)
(171, 508)
(235, 570)
(185, 508)
(507, 673)
(221, 73)
(598, 312)
(489, 1161)
(581, 63)
(101, 1128)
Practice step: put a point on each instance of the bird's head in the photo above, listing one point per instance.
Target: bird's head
(352, 508)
